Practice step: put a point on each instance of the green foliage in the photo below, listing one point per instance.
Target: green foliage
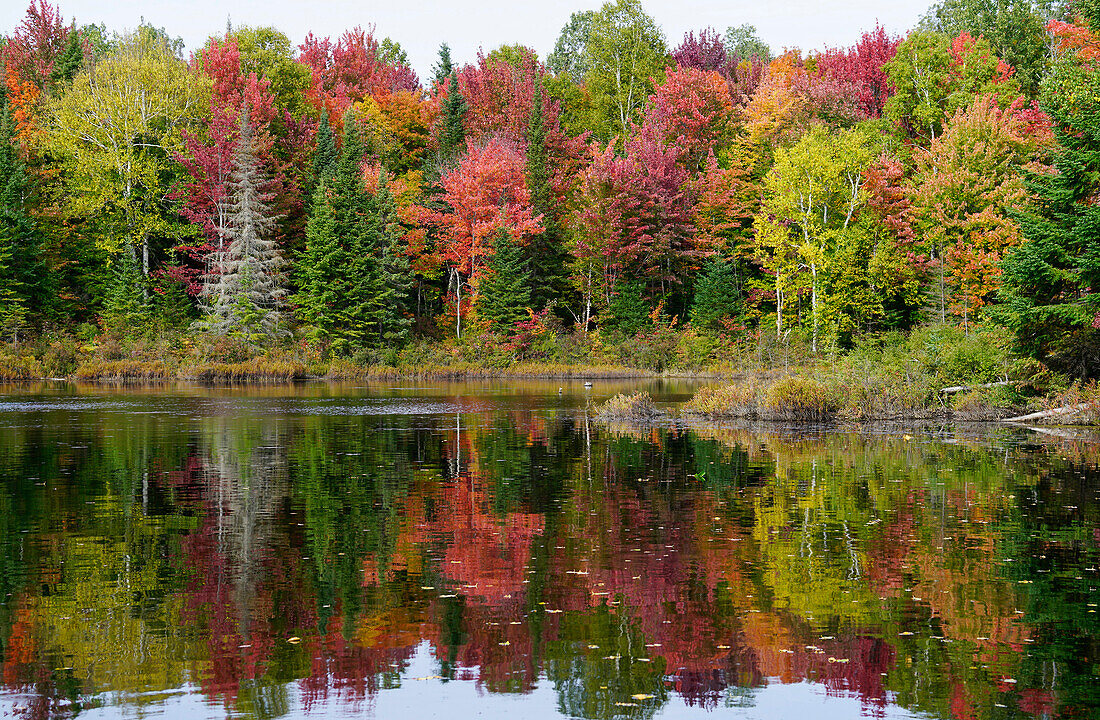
(1051, 282)
(628, 312)
(325, 155)
(717, 296)
(743, 42)
(547, 249)
(1016, 31)
(569, 56)
(504, 296)
(124, 306)
(625, 55)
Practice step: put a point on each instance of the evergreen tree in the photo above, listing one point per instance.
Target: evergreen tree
(124, 305)
(243, 290)
(716, 296)
(628, 312)
(326, 155)
(339, 288)
(444, 68)
(71, 61)
(23, 271)
(1051, 282)
(451, 127)
(395, 275)
(547, 250)
(319, 267)
(504, 295)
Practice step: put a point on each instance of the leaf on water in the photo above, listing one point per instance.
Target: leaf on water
(294, 640)
(640, 696)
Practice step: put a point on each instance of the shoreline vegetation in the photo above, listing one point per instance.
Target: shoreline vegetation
(936, 372)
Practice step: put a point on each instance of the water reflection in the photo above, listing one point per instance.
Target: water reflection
(264, 556)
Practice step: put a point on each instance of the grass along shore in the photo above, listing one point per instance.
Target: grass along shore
(934, 372)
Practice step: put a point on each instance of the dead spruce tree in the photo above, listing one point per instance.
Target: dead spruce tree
(243, 288)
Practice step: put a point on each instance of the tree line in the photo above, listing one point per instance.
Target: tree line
(325, 194)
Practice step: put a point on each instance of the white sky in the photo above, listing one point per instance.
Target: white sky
(420, 26)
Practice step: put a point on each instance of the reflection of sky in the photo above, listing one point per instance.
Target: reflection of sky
(422, 695)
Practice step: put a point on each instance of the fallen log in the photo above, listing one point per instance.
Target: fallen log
(1065, 411)
(962, 388)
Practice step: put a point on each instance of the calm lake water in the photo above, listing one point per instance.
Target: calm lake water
(488, 550)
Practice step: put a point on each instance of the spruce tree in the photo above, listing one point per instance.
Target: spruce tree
(326, 154)
(716, 296)
(547, 250)
(124, 304)
(451, 127)
(243, 291)
(442, 69)
(504, 295)
(319, 268)
(23, 276)
(395, 275)
(339, 286)
(628, 312)
(1051, 282)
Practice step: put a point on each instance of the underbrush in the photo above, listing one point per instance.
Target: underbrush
(636, 407)
(124, 372)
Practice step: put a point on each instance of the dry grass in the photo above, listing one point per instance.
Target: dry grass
(725, 401)
(21, 368)
(258, 370)
(637, 407)
(123, 372)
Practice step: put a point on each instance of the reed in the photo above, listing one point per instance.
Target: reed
(123, 372)
(636, 407)
(258, 370)
(19, 368)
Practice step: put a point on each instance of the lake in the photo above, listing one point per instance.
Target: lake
(489, 550)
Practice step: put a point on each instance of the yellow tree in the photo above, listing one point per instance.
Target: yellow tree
(811, 196)
(117, 130)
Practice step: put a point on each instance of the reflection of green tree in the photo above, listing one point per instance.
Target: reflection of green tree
(524, 475)
(601, 681)
(352, 477)
(1053, 542)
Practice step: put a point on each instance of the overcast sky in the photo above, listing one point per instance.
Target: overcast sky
(420, 26)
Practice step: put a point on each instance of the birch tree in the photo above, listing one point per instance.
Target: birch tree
(117, 131)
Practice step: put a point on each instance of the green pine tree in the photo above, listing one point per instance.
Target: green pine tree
(628, 311)
(395, 316)
(124, 306)
(442, 69)
(71, 61)
(504, 294)
(326, 154)
(716, 296)
(451, 127)
(339, 286)
(24, 274)
(319, 267)
(546, 250)
(1051, 282)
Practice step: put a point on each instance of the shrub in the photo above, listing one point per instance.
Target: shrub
(19, 368)
(799, 398)
(725, 401)
(636, 407)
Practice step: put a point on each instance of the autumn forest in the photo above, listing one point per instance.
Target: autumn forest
(630, 200)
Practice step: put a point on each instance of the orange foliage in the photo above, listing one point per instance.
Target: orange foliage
(23, 96)
(1075, 37)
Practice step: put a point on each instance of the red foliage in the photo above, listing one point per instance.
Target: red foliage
(488, 192)
(1075, 37)
(706, 53)
(348, 70)
(652, 231)
(861, 67)
(36, 44)
(692, 111)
